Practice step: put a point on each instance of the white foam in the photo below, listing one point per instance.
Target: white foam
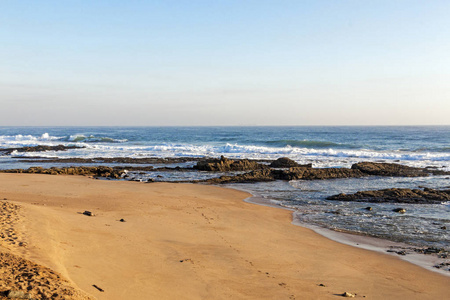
(107, 147)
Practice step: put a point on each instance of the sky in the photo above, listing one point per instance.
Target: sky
(224, 62)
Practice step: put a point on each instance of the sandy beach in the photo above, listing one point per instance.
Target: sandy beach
(182, 241)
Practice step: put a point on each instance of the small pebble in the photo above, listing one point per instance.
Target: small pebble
(348, 295)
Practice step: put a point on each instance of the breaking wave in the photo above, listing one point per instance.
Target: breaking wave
(309, 144)
(79, 138)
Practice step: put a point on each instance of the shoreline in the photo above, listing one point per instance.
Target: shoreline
(196, 240)
(361, 241)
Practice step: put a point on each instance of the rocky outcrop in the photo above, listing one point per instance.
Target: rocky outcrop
(113, 160)
(253, 176)
(225, 165)
(100, 171)
(389, 169)
(396, 195)
(307, 173)
(285, 162)
(40, 148)
(297, 173)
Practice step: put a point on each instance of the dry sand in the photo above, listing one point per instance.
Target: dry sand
(184, 241)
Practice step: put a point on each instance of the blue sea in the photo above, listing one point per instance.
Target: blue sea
(425, 146)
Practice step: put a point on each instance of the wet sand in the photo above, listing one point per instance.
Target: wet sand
(185, 241)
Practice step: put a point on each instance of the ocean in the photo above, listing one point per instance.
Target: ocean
(424, 146)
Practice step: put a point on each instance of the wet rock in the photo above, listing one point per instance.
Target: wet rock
(224, 165)
(396, 195)
(388, 169)
(111, 160)
(443, 265)
(39, 148)
(305, 173)
(100, 171)
(253, 176)
(285, 162)
(399, 210)
(368, 208)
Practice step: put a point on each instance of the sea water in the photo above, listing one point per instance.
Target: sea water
(425, 146)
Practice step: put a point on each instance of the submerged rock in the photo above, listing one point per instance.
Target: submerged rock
(396, 195)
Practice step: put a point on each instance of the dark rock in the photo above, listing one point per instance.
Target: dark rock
(100, 171)
(368, 208)
(224, 165)
(401, 252)
(399, 210)
(39, 148)
(396, 195)
(305, 173)
(285, 162)
(88, 213)
(253, 176)
(111, 160)
(122, 220)
(387, 169)
(444, 227)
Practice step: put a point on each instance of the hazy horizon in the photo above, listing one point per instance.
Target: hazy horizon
(232, 63)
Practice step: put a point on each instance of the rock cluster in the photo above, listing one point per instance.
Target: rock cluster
(305, 172)
(225, 165)
(40, 148)
(99, 171)
(389, 169)
(396, 195)
(113, 160)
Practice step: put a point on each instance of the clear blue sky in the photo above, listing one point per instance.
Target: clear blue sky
(222, 62)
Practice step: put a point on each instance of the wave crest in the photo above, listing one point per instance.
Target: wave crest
(79, 138)
(309, 144)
